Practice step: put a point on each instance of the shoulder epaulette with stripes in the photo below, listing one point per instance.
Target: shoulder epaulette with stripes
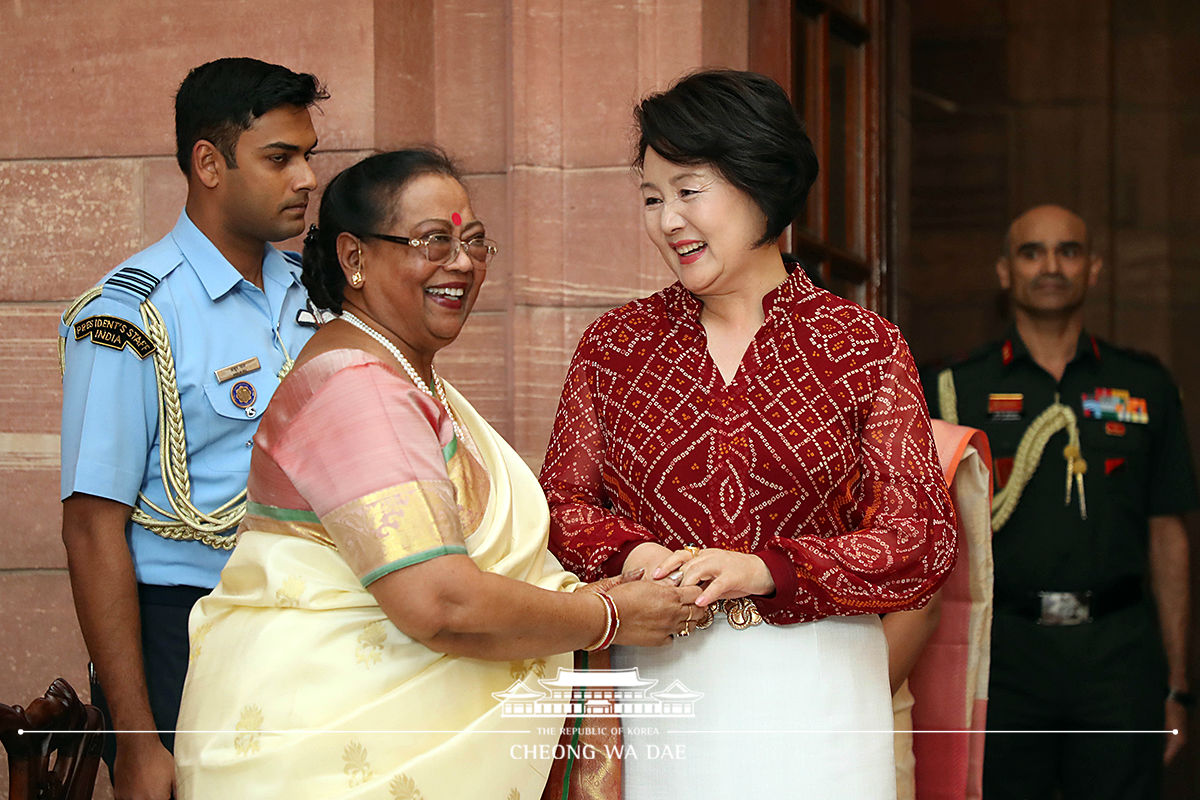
(137, 282)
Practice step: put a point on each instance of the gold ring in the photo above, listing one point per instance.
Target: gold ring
(685, 631)
(693, 549)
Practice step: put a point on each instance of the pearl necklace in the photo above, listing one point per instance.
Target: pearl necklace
(408, 368)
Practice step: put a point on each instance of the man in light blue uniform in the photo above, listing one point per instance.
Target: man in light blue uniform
(168, 364)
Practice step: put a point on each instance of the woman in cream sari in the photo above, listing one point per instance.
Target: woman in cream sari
(391, 576)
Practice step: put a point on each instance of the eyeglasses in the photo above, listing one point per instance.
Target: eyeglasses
(442, 248)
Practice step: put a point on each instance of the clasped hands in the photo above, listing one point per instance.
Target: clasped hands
(720, 574)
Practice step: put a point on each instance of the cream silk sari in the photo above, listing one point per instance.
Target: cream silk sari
(299, 686)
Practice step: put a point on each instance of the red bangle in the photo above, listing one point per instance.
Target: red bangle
(616, 621)
(612, 621)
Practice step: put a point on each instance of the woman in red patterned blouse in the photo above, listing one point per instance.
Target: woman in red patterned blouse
(748, 432)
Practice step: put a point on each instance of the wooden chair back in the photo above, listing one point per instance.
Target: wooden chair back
(53, 746)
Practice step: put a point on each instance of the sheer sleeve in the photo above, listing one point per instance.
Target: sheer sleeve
(368, 453)
(898, 538)
(586, 535)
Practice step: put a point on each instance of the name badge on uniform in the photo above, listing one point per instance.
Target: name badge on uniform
(237, 370)
(1005, 406)
(1116, 405)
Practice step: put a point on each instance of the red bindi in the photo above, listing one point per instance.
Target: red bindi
(456, 218)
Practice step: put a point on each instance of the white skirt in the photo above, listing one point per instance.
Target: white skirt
(798, 711)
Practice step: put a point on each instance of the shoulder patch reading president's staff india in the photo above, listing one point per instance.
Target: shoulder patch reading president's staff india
(114, 332)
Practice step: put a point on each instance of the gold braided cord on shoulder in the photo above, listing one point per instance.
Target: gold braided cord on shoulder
(68, 318)
(947, 396)
(187, 522)
(1055, 418)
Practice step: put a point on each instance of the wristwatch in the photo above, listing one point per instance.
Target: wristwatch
(1185, 699)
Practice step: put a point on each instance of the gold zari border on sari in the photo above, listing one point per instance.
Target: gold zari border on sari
(285, 522)
(396, 527)
(380, 532)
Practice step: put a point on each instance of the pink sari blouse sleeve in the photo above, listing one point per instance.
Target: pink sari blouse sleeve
(368, 453)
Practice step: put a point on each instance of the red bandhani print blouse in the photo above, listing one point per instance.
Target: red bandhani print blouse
(817, 457)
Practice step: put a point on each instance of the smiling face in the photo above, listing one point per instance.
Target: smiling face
(704, 227)
(421, 303)
(1049, 265)
(264, 197)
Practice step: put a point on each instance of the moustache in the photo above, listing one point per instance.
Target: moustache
(1051, 282)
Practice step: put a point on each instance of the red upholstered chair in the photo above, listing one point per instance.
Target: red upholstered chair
(53, 746)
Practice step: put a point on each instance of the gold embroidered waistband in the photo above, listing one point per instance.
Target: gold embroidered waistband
(740, 613)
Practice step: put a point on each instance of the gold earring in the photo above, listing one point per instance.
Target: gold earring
(356, 280)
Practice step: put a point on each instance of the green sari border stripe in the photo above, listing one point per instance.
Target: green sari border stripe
(408, 561)
(282, 514)
(450, 449)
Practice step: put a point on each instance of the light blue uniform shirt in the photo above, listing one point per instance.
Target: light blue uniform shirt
(215, 319)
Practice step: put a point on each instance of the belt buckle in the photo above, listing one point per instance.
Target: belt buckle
(740, 613)
(1065, 608)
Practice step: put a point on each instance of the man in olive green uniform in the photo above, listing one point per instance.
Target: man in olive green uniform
(1092, 476)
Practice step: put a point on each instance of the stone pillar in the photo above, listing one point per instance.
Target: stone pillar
(87, 178)
(578, 69)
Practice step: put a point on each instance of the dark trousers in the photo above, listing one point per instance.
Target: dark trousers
(164, 611)
(1108, 675)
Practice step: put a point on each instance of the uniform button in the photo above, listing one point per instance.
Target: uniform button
(249, 443)
(250, 412)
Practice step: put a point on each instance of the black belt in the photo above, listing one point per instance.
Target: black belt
(1072, 608)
